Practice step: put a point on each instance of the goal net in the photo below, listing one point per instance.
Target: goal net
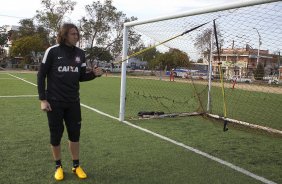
(171, 78)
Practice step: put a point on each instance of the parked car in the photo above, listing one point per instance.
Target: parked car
(106, 69)
(240, 79)
(114, 68)
(270, 77)
(183, 72)
(180, 72)
(273, 81)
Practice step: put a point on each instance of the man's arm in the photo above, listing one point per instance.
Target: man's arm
(87, 76)
(42, 73)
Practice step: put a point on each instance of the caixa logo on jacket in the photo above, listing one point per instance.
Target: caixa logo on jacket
(67, 69)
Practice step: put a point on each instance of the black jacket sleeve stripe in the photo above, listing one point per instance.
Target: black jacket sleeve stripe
(42, 73)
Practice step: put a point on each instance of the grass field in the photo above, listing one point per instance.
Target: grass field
(115, 152)
(250, 104)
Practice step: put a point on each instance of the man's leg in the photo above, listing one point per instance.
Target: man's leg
(74, 150)
(56, 151)
(56, 127)
(73, 123)
(59, 173)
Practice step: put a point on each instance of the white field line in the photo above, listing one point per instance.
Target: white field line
(18, 96)
(7, 79)
(22, 79)
(230, 165)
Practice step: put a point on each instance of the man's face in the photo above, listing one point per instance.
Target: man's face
(72, 37)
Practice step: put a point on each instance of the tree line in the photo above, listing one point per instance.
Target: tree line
(101, 28)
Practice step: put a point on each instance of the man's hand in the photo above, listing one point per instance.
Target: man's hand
(45, 106)
(97, 71)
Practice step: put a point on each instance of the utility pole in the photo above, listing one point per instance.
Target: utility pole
(279, 72)
(259, 43)
(210, 74)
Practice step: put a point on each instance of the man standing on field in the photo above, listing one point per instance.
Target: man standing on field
(64, 67)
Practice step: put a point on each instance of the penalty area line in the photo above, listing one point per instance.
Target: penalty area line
(18, 96)
(22, 79)
(230, 165)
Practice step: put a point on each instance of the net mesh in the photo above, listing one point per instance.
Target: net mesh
(248, 37)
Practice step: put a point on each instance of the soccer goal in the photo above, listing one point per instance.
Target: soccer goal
(220, 61)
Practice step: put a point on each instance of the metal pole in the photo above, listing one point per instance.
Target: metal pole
(259, 43)
(279, 72)
(123, 74)
(210, 73)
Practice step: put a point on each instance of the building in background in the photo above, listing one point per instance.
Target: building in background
(244, 61)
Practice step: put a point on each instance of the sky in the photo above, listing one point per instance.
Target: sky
(11, 11)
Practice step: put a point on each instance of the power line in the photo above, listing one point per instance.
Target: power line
(11, 16)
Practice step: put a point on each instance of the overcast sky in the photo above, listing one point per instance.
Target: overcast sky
(11, 11)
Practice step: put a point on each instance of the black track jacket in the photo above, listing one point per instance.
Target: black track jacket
(64, 67)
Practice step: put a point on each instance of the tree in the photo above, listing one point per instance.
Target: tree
(29, 39)
(26, 45)
(98, 54)
(52, 15)
(3, 38)
(203, 41)
(149, 55)
(3, 41)
(200, 60)
(259, 72)
(12, 35)
(27, 28)
(103, 25)
(43, 34)
(171, 59)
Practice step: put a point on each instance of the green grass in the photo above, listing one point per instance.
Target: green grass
(250, 150)
(155, 95)
(112, 152)
(253, 107)
(250, 106)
